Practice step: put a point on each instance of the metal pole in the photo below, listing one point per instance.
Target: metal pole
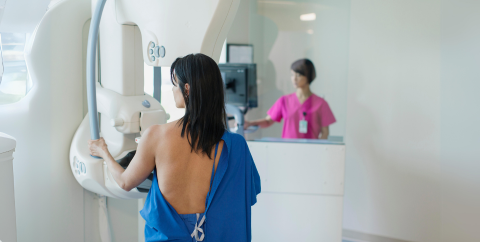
(157, 83)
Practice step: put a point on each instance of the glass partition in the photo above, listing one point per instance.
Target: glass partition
(284, 31)
(281, 32)
(15, 82)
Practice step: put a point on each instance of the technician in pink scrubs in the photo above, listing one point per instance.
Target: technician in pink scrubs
(306, 115)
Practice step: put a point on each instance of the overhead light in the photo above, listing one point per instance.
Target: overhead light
(308, 17)
(310, 31)
(277, 2)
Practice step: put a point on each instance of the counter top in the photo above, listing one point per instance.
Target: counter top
(336, 140)
(7, 143)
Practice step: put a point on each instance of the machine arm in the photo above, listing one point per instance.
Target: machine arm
(91, 62)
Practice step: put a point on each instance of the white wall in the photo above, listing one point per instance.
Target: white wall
(412, 132)
(460, 132)
(393, 120)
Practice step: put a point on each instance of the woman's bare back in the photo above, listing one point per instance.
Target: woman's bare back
(183, 176)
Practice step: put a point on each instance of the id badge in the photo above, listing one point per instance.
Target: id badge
(303, 126)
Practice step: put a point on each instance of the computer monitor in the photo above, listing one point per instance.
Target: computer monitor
(240, 82)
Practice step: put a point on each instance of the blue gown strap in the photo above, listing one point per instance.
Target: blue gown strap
(211, 178)
(213, 167)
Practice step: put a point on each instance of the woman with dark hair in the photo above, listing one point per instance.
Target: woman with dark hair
(306, 115)
(205, 180)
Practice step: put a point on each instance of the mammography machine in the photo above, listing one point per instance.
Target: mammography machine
(50, 122)
(131, 33)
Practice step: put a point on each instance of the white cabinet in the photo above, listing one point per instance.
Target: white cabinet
(302, 190)
(8, 229)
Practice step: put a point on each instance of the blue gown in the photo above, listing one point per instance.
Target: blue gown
(228, 207)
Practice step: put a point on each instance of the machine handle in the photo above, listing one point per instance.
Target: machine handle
(238, 115)
(91, 61)
(251, 129)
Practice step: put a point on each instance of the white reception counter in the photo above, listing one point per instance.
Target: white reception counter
(302, 190)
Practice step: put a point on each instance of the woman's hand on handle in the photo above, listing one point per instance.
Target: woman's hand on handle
(98, 148)
(141, 165)
(246, 124)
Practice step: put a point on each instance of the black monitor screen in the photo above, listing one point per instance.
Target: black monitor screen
(240, 82)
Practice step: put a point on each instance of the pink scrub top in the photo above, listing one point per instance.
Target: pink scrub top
(288, 107)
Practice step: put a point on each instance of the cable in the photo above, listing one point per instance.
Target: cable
(103, 221)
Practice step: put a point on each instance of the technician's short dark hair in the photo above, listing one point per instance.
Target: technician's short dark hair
(305, 68)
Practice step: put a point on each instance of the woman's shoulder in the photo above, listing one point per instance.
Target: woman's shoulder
(234, 140)
(159, 133)
(233, 137)
(318, 99)
(286, 98)
(160, 129)
(289, 96)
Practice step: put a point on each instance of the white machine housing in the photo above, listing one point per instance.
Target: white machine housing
(181, 26)
(131, 33)
(92, 173)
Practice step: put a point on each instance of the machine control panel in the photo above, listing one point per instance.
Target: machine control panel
(146, 103)
(80, 167)
(155, 51)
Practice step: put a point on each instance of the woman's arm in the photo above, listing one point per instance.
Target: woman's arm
(325, 132)
(262, 123)
(139, 168)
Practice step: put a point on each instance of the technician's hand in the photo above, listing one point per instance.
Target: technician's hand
(98, 147)
(246, 124)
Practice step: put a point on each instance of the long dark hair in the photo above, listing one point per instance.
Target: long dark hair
(306, 68)
(205, 119)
